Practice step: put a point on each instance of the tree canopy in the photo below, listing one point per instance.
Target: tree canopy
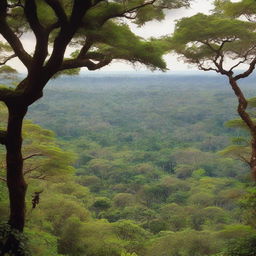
(97, 32)
(224, 43)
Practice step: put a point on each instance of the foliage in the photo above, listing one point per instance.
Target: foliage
(6, 232)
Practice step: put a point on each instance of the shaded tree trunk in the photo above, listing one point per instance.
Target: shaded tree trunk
(15, 179)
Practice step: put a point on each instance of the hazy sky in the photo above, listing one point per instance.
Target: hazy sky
(151, 29)
(166, 27)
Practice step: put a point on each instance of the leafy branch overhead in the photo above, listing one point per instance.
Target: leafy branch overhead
(199, 42)
(97, 31)
(94, 27)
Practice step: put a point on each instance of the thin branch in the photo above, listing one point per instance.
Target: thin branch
(3, 179)
(32, 155)
(236, 65)
(248, 71)
(133, 9)
(40, 177)
(15, 43)
(243, 159)
(85, 48)
(201, 66)
(7, 59)
(30, 170)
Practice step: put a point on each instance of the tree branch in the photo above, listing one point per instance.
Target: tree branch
(7, 59)
(242, 105)
(59, 11)
(79, 63)
(40, 177)
(243, 159)
(65, 35)
(236, 65)
(3, 179)
(133, 9)
(15, 43)
(32, 155)
(30, 170)
(248, 71)
(85, 48)
(30, 11)
(41, 49)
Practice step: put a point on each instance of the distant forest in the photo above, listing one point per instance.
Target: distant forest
(139, 160)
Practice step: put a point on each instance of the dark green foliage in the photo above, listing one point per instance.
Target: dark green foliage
(6, 232)
(244, 246)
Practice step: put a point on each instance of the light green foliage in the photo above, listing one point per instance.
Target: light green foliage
(240, 148)
(248, 204)
(244, 8)
(128, 254)
(93, 238)
(197, 39)
(133, 235)
(127, 160)
(7, 70)
(116, 40)
(185, 243)
(50, 160)
(41, 243)
(236, 123)
(199, 173)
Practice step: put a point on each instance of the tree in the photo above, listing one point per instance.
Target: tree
(94, 27)
(222, 50)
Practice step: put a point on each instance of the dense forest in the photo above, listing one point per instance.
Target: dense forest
(139, 164)
(136, 165)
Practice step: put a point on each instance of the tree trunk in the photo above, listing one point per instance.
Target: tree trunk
(246, 117)
(15, 180)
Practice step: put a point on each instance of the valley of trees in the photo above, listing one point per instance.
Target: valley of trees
(127, 166)
(130, 174)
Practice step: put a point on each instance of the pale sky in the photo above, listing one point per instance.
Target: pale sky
(151, 29)
(166, 27)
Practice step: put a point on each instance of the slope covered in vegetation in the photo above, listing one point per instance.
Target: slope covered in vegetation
(148, 175)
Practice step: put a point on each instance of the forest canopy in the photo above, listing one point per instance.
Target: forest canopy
(134, 170)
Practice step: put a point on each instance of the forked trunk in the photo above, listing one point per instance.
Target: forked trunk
(15, 180)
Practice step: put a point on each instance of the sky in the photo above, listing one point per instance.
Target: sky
(151, 29)
(165, 27)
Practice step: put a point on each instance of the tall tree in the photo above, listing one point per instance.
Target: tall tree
(96, 29)
(222, 44)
